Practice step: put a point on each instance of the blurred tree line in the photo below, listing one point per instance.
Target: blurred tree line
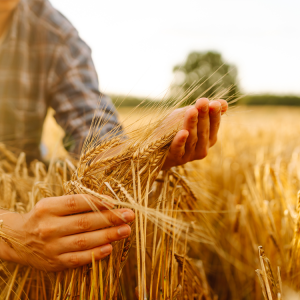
(206, 74)
(270, 100)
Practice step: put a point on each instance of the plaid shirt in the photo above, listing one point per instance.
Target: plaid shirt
(44, 63)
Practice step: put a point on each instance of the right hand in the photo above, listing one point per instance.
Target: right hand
(64, 231)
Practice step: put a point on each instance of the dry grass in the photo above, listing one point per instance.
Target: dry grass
(196, 235)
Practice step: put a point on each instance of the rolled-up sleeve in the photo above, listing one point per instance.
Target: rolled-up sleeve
(74, 94)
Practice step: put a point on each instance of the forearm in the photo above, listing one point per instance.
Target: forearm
(4, 250)
(7, 253)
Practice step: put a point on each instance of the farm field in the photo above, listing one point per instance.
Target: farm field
(243, 195)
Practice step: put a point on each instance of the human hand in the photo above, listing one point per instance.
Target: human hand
(199, 133)
(63, 232)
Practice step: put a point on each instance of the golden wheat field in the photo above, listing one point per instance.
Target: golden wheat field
(198, 228)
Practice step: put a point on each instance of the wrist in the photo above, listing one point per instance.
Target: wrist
(7, 253)
(12, 227)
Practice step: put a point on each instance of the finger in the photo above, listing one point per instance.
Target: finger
(93, 239)
(224, 106)
(215, 119)
(203, 128)
(177, 149)
(190, 124)
(77, 259)
(94, 221)
(73, 204)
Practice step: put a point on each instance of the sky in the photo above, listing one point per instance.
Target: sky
(135, 43)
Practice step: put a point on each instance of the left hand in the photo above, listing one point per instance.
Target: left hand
(199, 133)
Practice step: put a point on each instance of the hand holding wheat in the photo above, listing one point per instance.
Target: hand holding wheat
(62, 232)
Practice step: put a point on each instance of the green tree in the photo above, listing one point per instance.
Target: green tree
(207, 74)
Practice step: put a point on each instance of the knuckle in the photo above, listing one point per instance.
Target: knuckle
(111, 218)
(203, 116)
(181, 153)
(41, 208)
(194, 142)
(81, 243)
(73, 260)
(194, 120)
(203, 134)
(110, 237)
(84, 223)
(44, 231)
(71, 202)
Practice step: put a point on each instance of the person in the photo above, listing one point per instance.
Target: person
(44, 63)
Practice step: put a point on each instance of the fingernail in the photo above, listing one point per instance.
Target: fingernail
(216, 110)
(205, 108)
(106, 249)
(123, 231)
(127, 216)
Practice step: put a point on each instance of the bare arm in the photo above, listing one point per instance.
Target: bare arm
(6, 252)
